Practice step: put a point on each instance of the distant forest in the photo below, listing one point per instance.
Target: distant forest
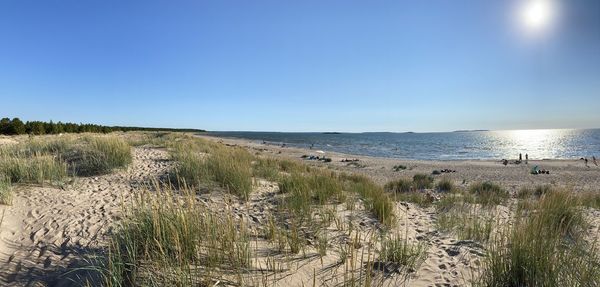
(18, 127)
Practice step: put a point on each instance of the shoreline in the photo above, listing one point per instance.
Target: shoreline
(568, 173)
(275, 144)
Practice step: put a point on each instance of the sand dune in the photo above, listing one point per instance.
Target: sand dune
(50, 230)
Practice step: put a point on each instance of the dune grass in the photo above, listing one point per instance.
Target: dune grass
(589, 199)
(466, 222)
(398, 249)
(99, 155)
(376, 199)
(422, 181)
(33, 169)
(445, 185)
(487, 193)
(544, 247)
(399, 186)
(230, 168)
(53, 158)
(5, 191)
(538, 191)
(171, 240)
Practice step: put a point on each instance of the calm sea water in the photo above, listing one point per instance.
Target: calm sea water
(539, 144)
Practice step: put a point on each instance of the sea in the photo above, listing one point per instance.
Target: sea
(459, 145)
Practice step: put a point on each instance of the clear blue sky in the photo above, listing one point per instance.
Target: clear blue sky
(299, 65)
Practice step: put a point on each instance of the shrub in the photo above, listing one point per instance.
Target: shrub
(488, 193)
(422, 181)
(398, 186)
(445, 185)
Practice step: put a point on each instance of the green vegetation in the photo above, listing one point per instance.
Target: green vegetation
(377, 200)
(544, 247)
(422, 181)
(466, 222)
(164, 240)
(5, 191)
(399, 186)
(398, 249)
(229, 168)
(50, 159)
(488, 193)
(99, 155)
(445, 185)
(17, 127)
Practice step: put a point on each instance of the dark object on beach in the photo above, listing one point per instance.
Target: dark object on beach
(436, 172)
(594, 160)
(312, 157)
(350, 160)
(537, 170)
(526, 158)
(445, 170)
(505, 162)
(399, 167)
(520, 157)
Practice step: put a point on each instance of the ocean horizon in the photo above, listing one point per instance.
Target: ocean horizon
(455, 145)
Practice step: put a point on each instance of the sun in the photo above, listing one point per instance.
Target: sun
(537, 15)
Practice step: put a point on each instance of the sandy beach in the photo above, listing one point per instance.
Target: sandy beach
(566, 173)
(49, 231)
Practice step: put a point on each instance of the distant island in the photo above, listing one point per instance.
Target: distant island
(469, 131)
(331, 133)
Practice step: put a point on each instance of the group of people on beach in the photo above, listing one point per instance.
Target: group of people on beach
(519, 161)
(585, 159)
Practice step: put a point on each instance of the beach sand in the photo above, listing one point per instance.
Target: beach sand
(50, 230)
(567, 173)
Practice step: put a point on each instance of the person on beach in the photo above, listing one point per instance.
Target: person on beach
(520, 157)
(586, 162)
(526, 158)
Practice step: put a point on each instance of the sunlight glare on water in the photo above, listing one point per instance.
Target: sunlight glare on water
(537, 143)
(495, 145)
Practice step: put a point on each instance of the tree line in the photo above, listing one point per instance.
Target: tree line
(18, 127)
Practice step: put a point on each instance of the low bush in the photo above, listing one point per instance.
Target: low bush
(445, 185)
(488, 193)
(422, 181)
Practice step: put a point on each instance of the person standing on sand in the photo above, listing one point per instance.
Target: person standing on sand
(526, 159)
(586, 162)
(520, 157)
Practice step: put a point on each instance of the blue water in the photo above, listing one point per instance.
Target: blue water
(539, 144)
